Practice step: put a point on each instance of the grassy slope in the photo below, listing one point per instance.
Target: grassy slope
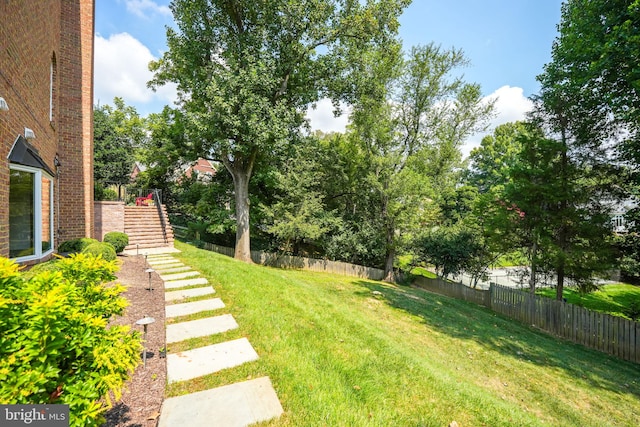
(611, 299)
(338, 355)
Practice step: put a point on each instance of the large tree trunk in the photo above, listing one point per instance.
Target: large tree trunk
(389, 241)
(389, 276)
(563, 234)
(240, 170)
(243, 235)
(534, 266)
(560, 283)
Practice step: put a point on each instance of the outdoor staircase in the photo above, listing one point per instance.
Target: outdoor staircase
(143, 225)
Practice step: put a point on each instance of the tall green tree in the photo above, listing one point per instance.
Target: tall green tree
(164, 151)
(587, 93)
(491, 161)
(298, 214)
(412, 138)
(561, 218)
(357, 237)
(117, 133)
(596, 66)
(247, 71)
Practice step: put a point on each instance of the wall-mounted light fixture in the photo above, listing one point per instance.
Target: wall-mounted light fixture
(29, 134)
(3, 105)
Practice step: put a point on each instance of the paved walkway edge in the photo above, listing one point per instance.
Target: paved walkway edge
(235, 405)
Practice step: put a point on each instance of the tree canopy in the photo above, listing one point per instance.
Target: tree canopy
(117, 132)
(246, 71)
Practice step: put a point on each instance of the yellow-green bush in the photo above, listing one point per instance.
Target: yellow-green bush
(55, 342)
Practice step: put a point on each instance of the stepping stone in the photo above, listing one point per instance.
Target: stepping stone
(177, 269)
(164, 262)
(161, 269)
(174, 284)
(161, 261)
(189, 364)
(178, 276)
(177, 332)
(188, 308)
(188, 293)
(235, 405)
(159, 256)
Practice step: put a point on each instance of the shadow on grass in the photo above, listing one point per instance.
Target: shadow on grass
(467, 321)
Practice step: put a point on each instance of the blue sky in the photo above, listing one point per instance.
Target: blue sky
(507, 42)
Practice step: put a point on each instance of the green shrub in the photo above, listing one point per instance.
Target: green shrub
(105, 250)
(100, 193)
(51, 265)
(118, 240)
(56, 345)
(76, 245)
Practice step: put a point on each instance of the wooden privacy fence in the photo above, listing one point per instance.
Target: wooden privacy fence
(455, 290)
(610, 334)
(319, 265)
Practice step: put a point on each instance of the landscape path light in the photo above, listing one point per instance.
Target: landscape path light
(146, 320)
(150, 271)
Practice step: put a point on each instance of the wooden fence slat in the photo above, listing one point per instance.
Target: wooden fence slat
(632, 342)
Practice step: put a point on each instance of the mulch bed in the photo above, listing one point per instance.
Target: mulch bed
(144, 392)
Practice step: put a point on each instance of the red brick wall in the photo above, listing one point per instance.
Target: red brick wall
(76, 119)
(109, 216)
(29, 38)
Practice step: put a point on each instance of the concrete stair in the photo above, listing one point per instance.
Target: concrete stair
(144, 228)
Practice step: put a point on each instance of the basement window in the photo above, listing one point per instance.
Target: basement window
(30, 204)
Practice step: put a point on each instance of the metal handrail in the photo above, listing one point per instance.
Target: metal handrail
(157, 202)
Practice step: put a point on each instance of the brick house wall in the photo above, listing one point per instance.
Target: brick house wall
(47, 49)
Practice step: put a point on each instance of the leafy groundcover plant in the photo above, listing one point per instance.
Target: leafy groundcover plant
(56, 346)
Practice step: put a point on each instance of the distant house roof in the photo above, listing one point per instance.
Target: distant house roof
(202, 168)
(137, 168)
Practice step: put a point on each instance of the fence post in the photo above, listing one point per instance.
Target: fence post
(491, 290)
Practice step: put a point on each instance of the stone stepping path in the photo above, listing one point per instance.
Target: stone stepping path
(178, 276)
(161, 261)
(177, 269)
(187, 293)
(190, 364)
(187, 308)
(239, 404)
(162, 269)
(174, 284)
(177, 332)
(235, 405)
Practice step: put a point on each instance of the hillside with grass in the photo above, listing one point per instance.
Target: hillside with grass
(350, 352)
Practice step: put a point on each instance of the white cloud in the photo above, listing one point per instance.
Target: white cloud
(122, 69)
(511, 105)
(322, 117)
(147, 8)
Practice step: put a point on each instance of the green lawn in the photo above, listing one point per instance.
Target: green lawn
(611, 299)
(421, 271)
(340, 355)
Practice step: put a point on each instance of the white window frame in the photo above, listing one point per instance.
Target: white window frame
(37, 209)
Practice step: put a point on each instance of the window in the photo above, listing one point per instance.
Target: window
(619, 223)
(52, 86)
(30, 213)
